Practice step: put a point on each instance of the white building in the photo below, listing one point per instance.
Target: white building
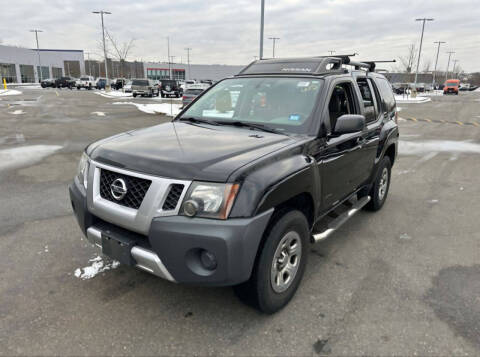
(21, 65)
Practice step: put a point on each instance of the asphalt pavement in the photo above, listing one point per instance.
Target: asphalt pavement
(402, 281)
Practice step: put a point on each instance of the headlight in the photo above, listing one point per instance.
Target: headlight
(82, 171)
(209, 200)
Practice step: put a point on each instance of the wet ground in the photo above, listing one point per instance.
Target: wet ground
(402, 281)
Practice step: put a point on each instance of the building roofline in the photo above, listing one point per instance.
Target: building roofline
(53, 50)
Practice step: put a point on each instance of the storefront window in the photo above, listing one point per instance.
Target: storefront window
(26, 73)
(7, 71)
(45, 72)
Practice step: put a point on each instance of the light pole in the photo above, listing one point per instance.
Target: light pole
(332, 52)
(38, 52)
(436, 61)
(262, 17)
(89, 64)
(420, 49)
(101, 12)
(454, 67)
(274, 39)
(450, 53)
(168, 54)
(188, 49)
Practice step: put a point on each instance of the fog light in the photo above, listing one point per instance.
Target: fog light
(208, 260)
(190, 208)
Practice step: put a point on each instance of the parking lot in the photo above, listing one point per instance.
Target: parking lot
(402, 281)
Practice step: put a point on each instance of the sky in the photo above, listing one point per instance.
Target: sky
(227, 32)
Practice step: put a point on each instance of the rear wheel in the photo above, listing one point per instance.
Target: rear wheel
(380, 187)
(280, 263)
(134, 95)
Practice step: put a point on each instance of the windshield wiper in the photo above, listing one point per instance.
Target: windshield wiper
(252, 125)
(198, 120)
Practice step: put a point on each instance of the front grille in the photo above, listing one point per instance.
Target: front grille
(173, 197)
(136, 188)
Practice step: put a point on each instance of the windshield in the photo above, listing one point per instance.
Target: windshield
(284, 104)
(452, 84)
(84, 79)
(140, 82)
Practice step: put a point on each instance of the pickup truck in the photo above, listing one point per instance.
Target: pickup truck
(87, 82)
(238, 185)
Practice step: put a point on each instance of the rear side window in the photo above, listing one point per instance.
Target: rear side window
(140, 83)
(386, 94)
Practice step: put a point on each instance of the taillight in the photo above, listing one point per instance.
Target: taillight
(184, 97)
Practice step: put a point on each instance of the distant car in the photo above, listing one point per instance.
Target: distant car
(451, 86)
(101, 83)
(48, 82)
(207, 81)
(128, 87)
(87, 82)
(145, 87)
(118, 83)
(189, 95)
(65, 82)
(170, 88)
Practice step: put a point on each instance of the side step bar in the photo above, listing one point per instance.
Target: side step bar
(340, 220)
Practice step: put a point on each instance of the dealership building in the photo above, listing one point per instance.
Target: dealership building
(21, 65)
(160, 70)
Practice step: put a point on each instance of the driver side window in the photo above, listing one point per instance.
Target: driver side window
(341, 102)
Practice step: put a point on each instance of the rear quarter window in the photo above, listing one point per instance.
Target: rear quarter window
(386, 94)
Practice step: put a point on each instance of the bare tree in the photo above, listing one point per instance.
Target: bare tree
(120, 50)
(426, 65)
(408, 60)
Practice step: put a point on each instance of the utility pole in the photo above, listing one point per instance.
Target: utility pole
(274, 39)
(436, 61)
(168, 54)
(188, 49)
(101, 12)
(454, 67)
(450, 53)
(262, 18)
(38, 52)
(420, 49)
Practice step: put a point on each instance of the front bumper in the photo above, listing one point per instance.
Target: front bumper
(173, 246)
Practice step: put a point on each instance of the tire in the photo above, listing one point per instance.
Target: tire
(134, 95)
(78, 88)
(163, 95)
(263, 291)
(379, 191)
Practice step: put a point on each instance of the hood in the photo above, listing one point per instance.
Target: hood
(186, 151)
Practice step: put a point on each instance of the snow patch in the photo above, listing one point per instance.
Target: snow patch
(113, 94)
(98, 114)
(163, 108)
(97, 266)
(25, 155)
(437, 146)
(410, 100)
(17, 112)
(9, 92)
(405, 236)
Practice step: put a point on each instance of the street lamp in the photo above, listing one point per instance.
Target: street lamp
(274, 39)
(262, 17)
(38, 52)
(436, 61)
(188, 49)
(101, 12)
(420, 49)
(168, 54)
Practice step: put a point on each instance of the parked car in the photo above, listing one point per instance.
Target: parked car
(87, 82)
(235, 189)
(118, 83)
(128, 87)
(451, 86)
(48, 82)
(101, 83)
(65, 82)
(170, 88)
(144, 87)
(189, 95)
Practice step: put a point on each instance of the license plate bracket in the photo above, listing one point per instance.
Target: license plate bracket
(118, 247)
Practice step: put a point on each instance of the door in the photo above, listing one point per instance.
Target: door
(337, 158)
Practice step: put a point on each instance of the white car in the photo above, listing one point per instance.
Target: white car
(87, 82)
(128, 87)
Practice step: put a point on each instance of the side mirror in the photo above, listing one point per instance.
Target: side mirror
(349, 123)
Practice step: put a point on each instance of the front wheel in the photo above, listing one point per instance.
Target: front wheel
(381, 185)
(134, 95)
(280, 264)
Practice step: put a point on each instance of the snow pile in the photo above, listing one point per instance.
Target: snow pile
(9, 92)
(17, 112)
(114, 94)
(25, 155)
(98, 114)
(436, 146)
(97, 266)
(162, 108)
(410, 100)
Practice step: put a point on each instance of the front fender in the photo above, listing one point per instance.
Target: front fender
(275, 182)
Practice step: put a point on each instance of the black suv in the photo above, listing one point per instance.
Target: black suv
(65, 82)
(170, 88)
(235, 189)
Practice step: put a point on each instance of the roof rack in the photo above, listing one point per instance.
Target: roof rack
(307, 66)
